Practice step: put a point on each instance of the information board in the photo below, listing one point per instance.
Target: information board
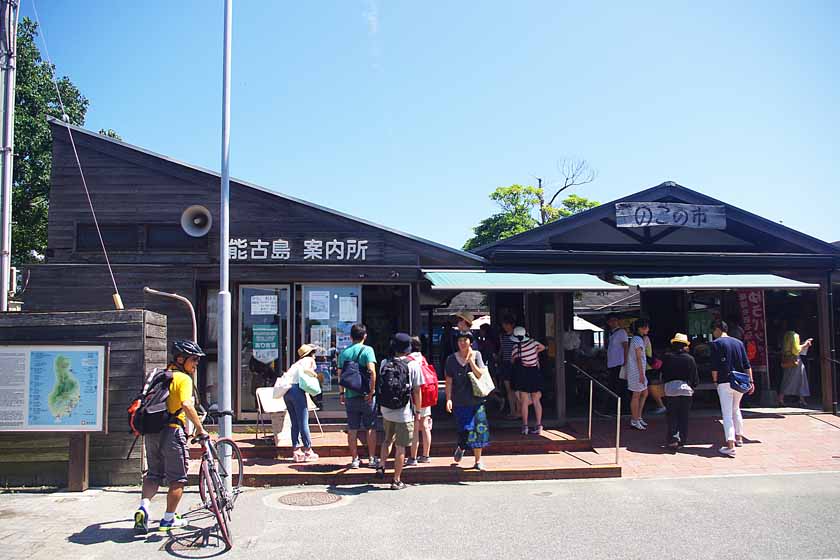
(49, 388)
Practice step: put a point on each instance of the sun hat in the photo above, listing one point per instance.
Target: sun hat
(520, 335)
(401, 343)
(306, 350)
(681, 338)
(466, 316)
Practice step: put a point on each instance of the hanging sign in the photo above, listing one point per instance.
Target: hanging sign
(265, 343)
(669, 214)
(751, 303)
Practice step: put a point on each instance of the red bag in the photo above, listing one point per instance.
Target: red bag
(429, 388)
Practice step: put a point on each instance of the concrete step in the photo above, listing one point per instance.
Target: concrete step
(336, 471)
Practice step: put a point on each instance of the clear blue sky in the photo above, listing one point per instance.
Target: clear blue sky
(410, 113)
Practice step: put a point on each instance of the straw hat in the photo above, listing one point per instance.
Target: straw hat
(306, 350)
(681, 338)
(466, 316)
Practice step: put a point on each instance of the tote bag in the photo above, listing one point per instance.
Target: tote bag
(281, 386)
(482, 386)
(308, 383)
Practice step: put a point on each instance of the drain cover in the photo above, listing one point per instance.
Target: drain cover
(305, 499)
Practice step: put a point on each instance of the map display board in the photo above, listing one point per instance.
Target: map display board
(53, 388)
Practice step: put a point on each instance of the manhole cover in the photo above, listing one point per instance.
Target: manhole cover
(306, 499)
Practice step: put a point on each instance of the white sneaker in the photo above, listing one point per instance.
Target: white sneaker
(637, 425)
(726, 451)
(642, 422)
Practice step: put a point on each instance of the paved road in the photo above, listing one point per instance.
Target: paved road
(786, 516)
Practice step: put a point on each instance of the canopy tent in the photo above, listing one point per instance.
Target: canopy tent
(581, 324)
(476, 280)
(719, 282)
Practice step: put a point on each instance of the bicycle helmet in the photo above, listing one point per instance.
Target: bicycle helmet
(186, 348)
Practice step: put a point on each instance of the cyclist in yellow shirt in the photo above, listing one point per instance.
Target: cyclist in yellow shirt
(167, 453)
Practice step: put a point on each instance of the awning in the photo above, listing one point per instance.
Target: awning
(581, 324)
(719, 282)
(480, 281)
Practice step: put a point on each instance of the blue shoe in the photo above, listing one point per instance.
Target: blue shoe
(141, 521)
(176, 522)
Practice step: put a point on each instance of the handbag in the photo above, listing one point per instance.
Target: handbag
(622, 373)
(678, 388)
(739, 381)
(309, 383)
(482, 386)
(281, 386)
(790, 362)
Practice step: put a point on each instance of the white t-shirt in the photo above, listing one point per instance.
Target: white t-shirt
(405, 414)
(615, 349)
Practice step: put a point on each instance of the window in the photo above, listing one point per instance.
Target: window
(170, 237)
(122, 237)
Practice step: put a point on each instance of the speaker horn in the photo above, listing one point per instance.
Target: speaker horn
(196, 221)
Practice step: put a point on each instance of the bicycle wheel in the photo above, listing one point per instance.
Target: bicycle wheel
(237, 467)
(213, 494)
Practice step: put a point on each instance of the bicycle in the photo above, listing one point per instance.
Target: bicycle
(212, 478)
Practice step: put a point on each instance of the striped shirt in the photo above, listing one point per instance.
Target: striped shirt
(506, 345)
(530, 353)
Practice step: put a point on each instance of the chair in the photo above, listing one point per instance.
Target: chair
(268, 404)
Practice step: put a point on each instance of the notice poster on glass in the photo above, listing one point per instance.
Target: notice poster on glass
(319, 305)
(321, 336)
(348, 309)
(342, 341)
(266, 343)
(264, 305)
(52, 388)
(323, 369)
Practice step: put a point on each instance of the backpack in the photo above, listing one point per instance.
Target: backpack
(429, 388)
(147, 413)
(353, 378)
(394, 384)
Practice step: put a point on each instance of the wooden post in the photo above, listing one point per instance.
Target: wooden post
(825, 344)
(560, 356)
(78, 468)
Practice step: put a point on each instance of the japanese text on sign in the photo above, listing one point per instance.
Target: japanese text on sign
(751, 304)
(311, 250)
(669, 214)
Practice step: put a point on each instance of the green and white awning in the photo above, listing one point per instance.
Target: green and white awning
(719, 282)
(480, 281)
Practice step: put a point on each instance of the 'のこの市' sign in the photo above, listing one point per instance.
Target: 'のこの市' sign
(53, 388)
(669, 214)
(307, 250)
(751, 303)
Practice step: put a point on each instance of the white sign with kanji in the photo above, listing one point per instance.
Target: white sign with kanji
(669, 214)
(333, 250)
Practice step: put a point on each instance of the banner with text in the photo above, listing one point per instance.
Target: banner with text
(751, 303)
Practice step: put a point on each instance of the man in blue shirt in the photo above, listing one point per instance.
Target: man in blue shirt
(728, 355)
(361, 408)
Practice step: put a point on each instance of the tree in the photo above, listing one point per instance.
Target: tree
(110, 133)
(519, 204)
(575, 172)
(35, 99)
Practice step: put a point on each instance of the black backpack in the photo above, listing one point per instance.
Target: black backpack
(394, 384)
(147, 413)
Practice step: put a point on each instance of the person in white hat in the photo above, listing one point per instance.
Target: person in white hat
(527, 378)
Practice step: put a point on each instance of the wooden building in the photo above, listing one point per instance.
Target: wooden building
(298, 270)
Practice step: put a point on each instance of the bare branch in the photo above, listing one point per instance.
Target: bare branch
(575, 172)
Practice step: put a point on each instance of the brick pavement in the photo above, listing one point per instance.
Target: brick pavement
(774, 444)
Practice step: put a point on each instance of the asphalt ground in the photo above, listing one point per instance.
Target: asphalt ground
(788, 516)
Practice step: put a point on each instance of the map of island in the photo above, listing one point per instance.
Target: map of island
(65, 395)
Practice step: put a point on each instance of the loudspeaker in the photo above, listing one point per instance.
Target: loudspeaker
(196, 221)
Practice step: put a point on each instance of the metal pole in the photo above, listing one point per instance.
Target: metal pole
(224, 334)
(617, 428)
(183, 300)
(8, 17)
(591, 391)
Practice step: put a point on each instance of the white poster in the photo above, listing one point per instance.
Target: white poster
(342, 341)
(319, 305)
(321, 336)
(348, 309)
(264, 305)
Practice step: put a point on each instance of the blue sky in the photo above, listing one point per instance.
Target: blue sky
(410, 113)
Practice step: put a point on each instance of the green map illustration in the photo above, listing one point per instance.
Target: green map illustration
(65, 395)
(64, 388)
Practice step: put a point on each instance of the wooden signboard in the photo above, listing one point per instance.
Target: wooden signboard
(669, 214)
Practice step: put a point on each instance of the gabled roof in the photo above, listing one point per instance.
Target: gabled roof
(478, 259)
(666, 190)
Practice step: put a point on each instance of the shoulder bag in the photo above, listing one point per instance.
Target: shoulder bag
(308, 381)
(739, 381)
(482, 386)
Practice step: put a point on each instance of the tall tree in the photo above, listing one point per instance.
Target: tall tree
(520, 204)
(575, 172)
(35, 99)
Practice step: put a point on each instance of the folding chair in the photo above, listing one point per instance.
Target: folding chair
(267, 404)
(313, 408)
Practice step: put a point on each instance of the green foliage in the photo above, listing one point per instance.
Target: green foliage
(35, 99)
(110, 133)
(520, 204)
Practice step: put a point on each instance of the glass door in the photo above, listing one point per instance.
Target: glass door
(328, 313)
(263, 340)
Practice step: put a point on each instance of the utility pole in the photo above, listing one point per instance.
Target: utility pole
(8, 53)
(224, 334)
